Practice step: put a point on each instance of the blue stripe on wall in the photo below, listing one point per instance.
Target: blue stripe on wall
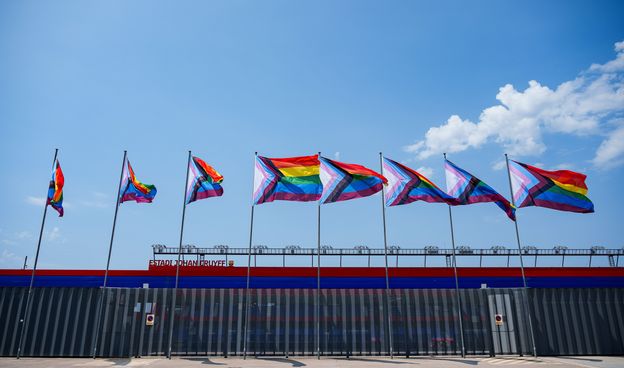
(310, 282)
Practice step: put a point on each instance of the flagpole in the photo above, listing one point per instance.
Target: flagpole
(248, 279)
(177, 276)
(524, 282)
(32, 275)
(459, 307)
(110, 250)
(318, 279)
(383, 212)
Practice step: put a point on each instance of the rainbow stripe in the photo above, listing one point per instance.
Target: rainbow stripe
(342, 181)
(203, 181)
(134, 190)
(468, 189)
(55, 190)
(561, 190)
(286, 179)
(406, 186)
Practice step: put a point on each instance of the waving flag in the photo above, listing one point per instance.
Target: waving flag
(203, 181)
(286, 179)
(342, 181)
(561, 190)
(468, 189)
(55, 191)
(406, 186)
(134, 190)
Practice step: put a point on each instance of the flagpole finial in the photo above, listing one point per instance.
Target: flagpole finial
(444, 154)
(256, 153)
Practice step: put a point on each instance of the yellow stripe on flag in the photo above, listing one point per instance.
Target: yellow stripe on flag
(296, 171)
(571, 188)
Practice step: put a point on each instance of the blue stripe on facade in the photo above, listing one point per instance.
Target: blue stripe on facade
(310, 282)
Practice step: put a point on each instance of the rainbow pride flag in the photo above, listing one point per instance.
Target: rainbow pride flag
(561, 190)
(468, 189)
(406, 186)
(342, 181)
(134, 190)
(286, 179)
(203, 181)
(55, 190)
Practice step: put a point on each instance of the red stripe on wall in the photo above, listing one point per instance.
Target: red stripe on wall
(339, 272)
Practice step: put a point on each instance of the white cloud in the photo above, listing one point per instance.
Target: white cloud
(94, 204)
(426, 171)
(24, 235)
(499, 165)
(611, 151)
(41, 201)
(36, 201)
(53, 234)
(564, 166)
(585, 105)
(614, 65)
(17, 238)
(7, 257)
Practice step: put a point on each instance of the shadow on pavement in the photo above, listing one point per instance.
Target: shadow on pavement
(120, 362)
(203, 361)
(458, 360)
(294, 363)
(577, 358)
(389, 361)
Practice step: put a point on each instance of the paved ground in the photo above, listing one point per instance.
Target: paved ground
(311, 362)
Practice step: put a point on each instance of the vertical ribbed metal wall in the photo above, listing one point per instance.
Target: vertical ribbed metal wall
(578, 321)
(282, 321)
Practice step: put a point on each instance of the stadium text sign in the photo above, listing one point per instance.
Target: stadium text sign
(190, 263)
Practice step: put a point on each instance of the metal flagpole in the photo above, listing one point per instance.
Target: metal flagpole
(177, 276)
(248, 279)
(110, 250)
(388, 311)
(524, 282)
(32, 275)
(459, 308)
(318, 279)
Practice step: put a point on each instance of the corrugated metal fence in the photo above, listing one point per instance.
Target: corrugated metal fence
(282, 322)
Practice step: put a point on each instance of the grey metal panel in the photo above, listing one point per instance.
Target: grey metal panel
(57, 316)
(229, 320)
(163, 323)
(5, 317)
(132, 351)
(450, 311)
(279, 336)
(115, 294)
(219, 335)
(618, 306)
(46, 321)
(14, 311)
(64, 346)
(202, 321)
(309, 345)
(288, 330)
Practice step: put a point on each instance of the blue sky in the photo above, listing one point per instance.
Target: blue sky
(348, 78)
